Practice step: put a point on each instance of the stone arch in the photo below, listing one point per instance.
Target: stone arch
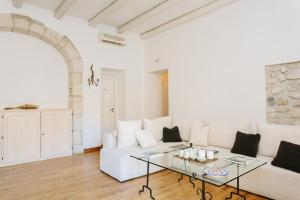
(28, 26)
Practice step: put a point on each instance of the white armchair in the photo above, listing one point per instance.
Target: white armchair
(116, 161)
(110, 140)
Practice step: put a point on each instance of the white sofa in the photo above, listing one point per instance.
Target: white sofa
(268, 180)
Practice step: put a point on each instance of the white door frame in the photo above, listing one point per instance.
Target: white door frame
(119, 89)
(108, 111)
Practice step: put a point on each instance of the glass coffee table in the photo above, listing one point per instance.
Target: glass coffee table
(169, 159)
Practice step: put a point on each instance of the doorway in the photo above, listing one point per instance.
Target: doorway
(157, 95)
(164, 82)
(112, 98)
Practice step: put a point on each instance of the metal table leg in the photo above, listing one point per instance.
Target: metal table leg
(192, 182)
(190, 178)
(204, 193)
(147, 184)
(237, 186)
(180, 179)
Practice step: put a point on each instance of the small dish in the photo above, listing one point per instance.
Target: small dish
(215, 172)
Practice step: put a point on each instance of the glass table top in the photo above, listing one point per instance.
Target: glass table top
(169, 159)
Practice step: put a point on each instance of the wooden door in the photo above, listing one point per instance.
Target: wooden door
(108, 103)
(21, 136)
(56, 133)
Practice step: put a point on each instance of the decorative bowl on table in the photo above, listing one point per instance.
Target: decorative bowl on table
(215, 172)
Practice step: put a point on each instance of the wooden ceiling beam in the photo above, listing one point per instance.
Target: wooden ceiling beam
(111, 8)
(17, 3)
(146, 15)
(63, 8)
(201, 11)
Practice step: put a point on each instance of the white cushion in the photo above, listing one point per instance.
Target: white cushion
(145, 138)
(155, 126)
(223, 133)
(272, 134)
(184, 127)
(126, 133)
(199, 135)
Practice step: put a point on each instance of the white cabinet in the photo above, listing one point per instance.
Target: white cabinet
(56, 133)
(21, 136)
(32, 135)
(1, 138)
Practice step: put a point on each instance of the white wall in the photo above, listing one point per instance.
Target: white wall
(216, 63)
(31, 72)
(129, 58)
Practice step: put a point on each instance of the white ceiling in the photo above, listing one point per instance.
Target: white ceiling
(87, 9)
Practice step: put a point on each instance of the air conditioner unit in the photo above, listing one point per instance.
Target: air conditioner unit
(112, 39)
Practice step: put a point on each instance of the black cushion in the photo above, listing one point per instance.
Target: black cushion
(288, 156)
(171, 135)
(246, 144)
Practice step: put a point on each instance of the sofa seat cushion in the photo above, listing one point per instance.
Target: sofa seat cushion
(272, 182)
(267, 180)
(273, 134)
(127, 151)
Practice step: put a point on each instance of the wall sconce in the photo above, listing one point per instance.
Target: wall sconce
(92, 80)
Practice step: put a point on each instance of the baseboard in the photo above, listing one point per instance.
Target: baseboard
(93, 149)
(20, 162)
(70, 153)
(37, 159)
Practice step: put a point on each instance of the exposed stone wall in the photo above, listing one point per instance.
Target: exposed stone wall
(27, 26)
(283, 93)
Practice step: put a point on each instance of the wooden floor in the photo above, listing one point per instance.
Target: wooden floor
(79, 178)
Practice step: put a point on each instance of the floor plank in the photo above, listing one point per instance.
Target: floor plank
(78, 178)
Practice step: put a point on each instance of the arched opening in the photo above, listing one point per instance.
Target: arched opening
(28, 26)
(37, 76)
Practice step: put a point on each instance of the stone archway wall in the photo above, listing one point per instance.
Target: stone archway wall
(28, 26)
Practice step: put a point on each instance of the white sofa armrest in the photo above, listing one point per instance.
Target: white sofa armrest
(109, 140)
